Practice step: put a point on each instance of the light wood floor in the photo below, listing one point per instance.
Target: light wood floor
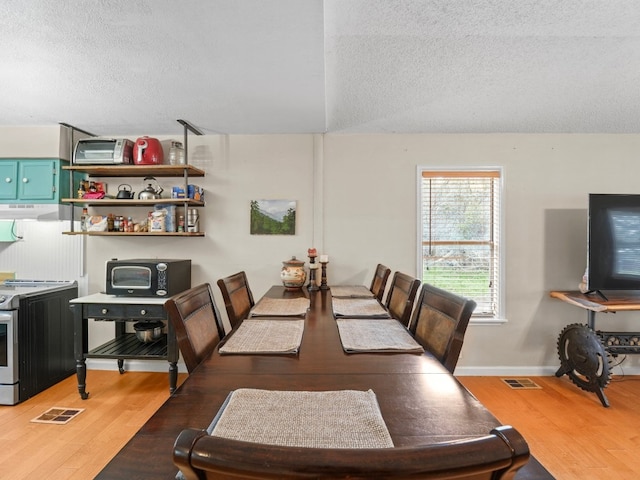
(567, 429)
(117, 407)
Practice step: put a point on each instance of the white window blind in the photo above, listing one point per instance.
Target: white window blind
(460, 213)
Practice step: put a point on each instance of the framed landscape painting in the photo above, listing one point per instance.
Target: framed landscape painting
(273, 217)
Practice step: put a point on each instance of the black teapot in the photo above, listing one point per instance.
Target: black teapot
(124, 192)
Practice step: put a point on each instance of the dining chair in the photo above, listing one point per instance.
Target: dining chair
(439, 323)
(197, 323)
(401, 296)
(379, 281)
(238, 299)
(497, 455)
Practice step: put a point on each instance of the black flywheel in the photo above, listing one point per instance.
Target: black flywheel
(584, 358)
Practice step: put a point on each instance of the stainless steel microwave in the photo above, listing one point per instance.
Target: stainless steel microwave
(103, 151)
(150, 277)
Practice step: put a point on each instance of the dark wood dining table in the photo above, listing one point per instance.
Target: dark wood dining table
(420, 401)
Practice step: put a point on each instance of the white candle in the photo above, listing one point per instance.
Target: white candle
(324, 258)
(313, 266)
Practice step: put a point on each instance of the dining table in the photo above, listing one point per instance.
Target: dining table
(420, 401)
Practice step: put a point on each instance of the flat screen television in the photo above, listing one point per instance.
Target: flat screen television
(613, 242)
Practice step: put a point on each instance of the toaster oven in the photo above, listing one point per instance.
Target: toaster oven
(103, 151)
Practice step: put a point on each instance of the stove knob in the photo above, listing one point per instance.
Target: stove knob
(3, 298)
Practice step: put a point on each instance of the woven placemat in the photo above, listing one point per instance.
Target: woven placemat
(350, 291)
(358, 308)
(333, 419)
(361, 335)
(280, 307)
(265, 335)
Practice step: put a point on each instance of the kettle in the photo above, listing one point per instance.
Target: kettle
(124, 192)
(151, 192)
(148, 151)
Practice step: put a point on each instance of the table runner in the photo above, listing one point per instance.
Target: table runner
(330, 419)
(358, 308)
(280, 307)
(265, 335)
(350, 291)
(359, 335)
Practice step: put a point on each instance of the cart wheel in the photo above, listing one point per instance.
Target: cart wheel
(121, 366)
(584, 358)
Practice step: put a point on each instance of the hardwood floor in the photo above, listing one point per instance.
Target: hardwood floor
(117, 407)
(568, 430)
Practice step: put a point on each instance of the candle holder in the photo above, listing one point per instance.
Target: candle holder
(312, 286)
(323, 281)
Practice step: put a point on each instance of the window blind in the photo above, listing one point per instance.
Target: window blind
(460, 212)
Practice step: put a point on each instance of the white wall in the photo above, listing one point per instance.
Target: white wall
(238, 170)
(47, 141)
(357, 203)
(370, 216)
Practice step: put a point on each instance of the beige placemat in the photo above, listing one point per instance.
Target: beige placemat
(358, 308)
(333, 419)
(361, 335)
(350, 291)
(280, 307)
(265, 335)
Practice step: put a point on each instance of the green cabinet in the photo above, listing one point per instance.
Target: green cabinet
(39, 180)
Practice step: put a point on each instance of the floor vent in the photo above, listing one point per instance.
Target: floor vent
(58, 415)
(521, 383)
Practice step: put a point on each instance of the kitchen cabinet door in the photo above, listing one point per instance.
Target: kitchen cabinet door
(8, 180)
(37, 180)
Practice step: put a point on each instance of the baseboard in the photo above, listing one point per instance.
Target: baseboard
(535, 371)
(468, 371)
(500, 371)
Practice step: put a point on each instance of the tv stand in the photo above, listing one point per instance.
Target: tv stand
(585, 353)
(598, 293)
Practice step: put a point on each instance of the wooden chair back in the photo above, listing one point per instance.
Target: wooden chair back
(238, 299)
(440, 321)
(197, 323)
(401, 296)
(379, 281)
(495, 456)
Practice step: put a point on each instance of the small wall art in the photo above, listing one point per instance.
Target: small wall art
(273, 217)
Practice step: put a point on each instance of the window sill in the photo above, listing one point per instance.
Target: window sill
(487, 321)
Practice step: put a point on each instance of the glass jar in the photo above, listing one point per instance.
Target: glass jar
(176, 153)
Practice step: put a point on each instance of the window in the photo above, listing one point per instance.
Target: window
(460, 230)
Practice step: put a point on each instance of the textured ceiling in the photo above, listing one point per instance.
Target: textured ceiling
(311, 66)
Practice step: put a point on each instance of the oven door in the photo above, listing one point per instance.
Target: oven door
(9, 388)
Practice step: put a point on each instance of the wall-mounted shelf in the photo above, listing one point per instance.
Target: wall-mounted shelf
(185, 171)
(137, 234)
(137, 170)
(133, 202)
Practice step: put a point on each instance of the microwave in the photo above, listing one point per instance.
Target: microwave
(103, 151)
(148, 277)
